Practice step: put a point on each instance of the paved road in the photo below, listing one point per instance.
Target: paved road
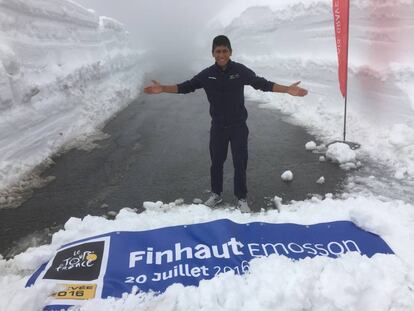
(158, 150)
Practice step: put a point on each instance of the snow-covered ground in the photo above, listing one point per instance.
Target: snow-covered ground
(285, 41)
(353, 282)
(64, 70)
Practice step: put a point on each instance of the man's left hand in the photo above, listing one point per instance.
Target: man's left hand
(295, 90)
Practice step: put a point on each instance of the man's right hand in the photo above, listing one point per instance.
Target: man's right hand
(155, 88)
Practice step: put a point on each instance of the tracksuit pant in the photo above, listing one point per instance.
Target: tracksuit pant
(220, 137)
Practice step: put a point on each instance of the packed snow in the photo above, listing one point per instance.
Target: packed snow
(285, 41)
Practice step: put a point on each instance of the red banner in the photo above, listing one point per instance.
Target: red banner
(341, 21)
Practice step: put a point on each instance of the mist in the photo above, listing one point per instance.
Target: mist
(173, 32)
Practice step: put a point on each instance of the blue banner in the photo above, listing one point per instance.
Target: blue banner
(113, 263)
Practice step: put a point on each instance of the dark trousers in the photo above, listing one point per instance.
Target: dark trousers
(220, 137)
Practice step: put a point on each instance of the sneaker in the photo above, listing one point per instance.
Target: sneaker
(213, 200)
(243, 206)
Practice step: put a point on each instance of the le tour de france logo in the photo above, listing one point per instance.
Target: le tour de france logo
(80, 262)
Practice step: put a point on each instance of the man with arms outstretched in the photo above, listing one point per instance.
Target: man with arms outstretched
(224, 84)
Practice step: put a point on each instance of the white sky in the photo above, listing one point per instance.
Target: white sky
(161, 24)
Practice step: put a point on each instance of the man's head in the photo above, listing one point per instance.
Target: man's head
(221, 41)
(221, 50)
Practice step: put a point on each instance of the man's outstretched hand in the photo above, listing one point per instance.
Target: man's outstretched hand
(295, 90)
(155, 88)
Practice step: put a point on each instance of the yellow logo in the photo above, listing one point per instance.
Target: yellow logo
(91, 257)
(76, 291)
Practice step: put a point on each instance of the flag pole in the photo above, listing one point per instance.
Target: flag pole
(344, 86)
(345, 119)
(346, 79)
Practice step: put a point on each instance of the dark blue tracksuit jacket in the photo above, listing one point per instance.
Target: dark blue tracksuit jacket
(225, 91)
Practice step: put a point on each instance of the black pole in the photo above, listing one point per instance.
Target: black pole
(345, 120)
(346, 80)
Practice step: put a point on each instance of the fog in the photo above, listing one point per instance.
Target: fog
(174, 31)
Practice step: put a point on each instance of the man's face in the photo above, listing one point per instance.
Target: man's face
(222, 55)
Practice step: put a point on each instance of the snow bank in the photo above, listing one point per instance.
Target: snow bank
(350, 282)
(287, 41)
(63, 72)
(280, 284)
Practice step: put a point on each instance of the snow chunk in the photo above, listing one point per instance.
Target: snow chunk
(287, 176)
(152, 205)
(277, 202)
(179, 201)
(112, 213)
(348, 166)
(310, 145)
(340, 153)
(321, 180)
(197, 201)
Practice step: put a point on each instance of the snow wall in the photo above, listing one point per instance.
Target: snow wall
(64, 70)
(287, 41)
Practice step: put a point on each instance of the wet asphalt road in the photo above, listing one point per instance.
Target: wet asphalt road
(158, 150)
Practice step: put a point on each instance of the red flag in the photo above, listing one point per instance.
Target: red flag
(341, 21)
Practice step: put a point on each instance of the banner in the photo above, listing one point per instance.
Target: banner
(341, 22)
(116, 262)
